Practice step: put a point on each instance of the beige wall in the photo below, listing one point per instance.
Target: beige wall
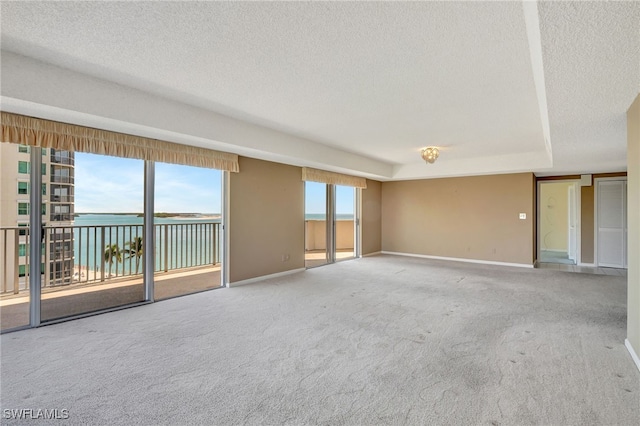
(468, 217)
(266, 209)
(371, 221)
(633, 209)
(554, 216)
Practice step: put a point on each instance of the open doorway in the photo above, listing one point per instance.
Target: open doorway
(558, 222)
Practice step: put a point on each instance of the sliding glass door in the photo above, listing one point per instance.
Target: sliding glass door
(91, 229)
(187, 227)
(330, 223)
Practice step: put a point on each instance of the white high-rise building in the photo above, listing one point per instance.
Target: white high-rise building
(57, 213)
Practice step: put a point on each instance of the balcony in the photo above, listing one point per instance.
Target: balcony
(316, 241)
(187, 259)
(61, 198)
(178, 246)
(62, 159)
(61, 217)
(55, 178)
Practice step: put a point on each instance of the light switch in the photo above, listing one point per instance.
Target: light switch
(523, 215)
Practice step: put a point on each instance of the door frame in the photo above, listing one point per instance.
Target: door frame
(596, 181)
(578, 206)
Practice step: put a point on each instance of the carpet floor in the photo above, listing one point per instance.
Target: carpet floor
(379, 340)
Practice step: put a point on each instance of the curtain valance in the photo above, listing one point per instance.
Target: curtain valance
(322, 176)
(69, 137)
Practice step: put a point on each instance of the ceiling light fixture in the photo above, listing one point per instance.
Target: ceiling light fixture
(430, 154)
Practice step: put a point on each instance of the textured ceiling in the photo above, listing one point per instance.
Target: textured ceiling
(380, 80)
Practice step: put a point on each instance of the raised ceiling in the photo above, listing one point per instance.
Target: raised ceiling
(357, 87)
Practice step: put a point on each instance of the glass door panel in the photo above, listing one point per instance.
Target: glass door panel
(92, 208)
(188, 235)
(315, 224)
(14, 235)
(344, 222)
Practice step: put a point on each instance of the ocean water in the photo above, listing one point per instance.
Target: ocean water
(184, 242)
(117, 219)
(112, 219)
(322, 216)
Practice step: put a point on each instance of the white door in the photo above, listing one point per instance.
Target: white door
(573, 227)
(612, 223)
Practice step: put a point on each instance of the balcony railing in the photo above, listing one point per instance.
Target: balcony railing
(61, 179)
(99, 253)
(61, 198)
(61, 217)
(61, 159)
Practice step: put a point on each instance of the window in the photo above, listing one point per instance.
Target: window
(44, 169)
(64, 208)
(23, 208)
(23, 248)
(23, 148)
(23, 187)
(44, 151)
(22, 270)
(23, 167)
(44, 189)
(24, 230)
(44, 209)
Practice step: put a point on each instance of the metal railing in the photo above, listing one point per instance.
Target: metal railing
(61, 178)
(61, 198)
(98, 253)
(62, 159)
(62, 217)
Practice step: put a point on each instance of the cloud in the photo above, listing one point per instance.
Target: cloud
(116, 185)
(108, 185)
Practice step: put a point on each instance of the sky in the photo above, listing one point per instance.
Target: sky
(105, 184)
(315, 198)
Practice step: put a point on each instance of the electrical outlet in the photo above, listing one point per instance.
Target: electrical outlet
(285, 257)
(523, 215)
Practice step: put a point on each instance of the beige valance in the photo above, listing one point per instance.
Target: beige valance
(69, 137)
(323, 176)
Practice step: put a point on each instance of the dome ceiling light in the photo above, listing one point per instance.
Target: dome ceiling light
(430, 154)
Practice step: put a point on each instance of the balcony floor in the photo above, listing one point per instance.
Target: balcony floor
(313, 258)
(82, 298)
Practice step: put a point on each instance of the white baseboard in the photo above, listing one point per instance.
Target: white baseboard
(633, 353)
(264, 277)
(590, 265)
(460, 259)
(375, 253)
(554, 250)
